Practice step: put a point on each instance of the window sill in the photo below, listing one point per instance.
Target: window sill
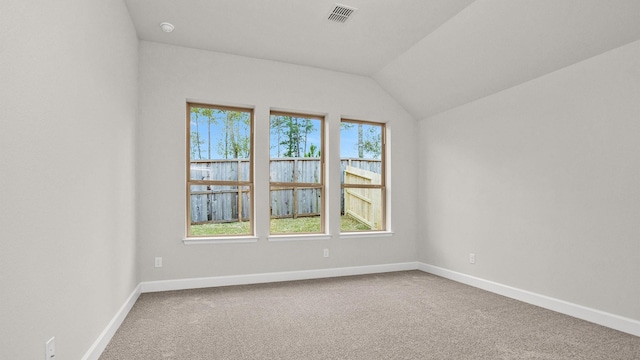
(280, 238)
(368, 234)
(299, 237)
(219, 240)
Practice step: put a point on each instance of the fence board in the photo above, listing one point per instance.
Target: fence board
(363, 204)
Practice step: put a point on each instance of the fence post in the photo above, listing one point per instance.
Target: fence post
(295, 193)
(239, 192)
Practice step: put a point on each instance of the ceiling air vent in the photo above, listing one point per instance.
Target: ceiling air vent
(341, 13)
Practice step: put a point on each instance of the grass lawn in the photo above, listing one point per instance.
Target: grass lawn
(309, 224)
(234, 228)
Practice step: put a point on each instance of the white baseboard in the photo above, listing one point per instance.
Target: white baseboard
(194, 283)
(613, 321)
(102, 341)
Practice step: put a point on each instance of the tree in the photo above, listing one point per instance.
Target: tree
(235, 140)
(277, 123)
(312, 152)
(306, 129)
(291, 134)
(360, 142)
(195, 135)
(372, 142)
(209, 114)
(195, 145)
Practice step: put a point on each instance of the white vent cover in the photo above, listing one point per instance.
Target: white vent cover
(341, 13)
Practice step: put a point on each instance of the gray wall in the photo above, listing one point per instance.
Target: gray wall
(542, 183)
(67, 201)
(169, 76)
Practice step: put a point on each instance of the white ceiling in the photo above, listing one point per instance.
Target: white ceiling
(296, 31)
(493, 45)
(431, 55)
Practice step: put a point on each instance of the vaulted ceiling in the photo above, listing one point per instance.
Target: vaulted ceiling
(431, 55)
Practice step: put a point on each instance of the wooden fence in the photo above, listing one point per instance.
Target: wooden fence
(289, 201)
(363, 205)
(219, 203)
(215, 204)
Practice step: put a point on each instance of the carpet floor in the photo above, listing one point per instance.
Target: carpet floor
(400, 315)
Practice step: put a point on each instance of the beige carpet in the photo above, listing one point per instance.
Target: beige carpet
(401, 315)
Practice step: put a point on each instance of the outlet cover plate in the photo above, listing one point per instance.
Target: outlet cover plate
(50, 349)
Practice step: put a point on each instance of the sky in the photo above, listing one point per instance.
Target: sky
(349, 141)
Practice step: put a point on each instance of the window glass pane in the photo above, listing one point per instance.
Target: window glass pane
(219, 134)
(308, 201)
(361, 141)
(361, 153)
(295, 148)
(294, 203)
(296, 158)
(282, 203)
(362, 210)
(296, 210)
(219, 210)
(308, 171)
(219, 150)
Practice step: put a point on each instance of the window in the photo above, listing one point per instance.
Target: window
(296, 173)
(219, 171)
(363, 192)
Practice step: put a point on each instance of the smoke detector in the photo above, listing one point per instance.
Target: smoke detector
(167, 27)
(341, 13)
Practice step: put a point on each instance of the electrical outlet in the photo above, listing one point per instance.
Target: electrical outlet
(472, 258)
(326, 252)
(158, 262)
(50, 349)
